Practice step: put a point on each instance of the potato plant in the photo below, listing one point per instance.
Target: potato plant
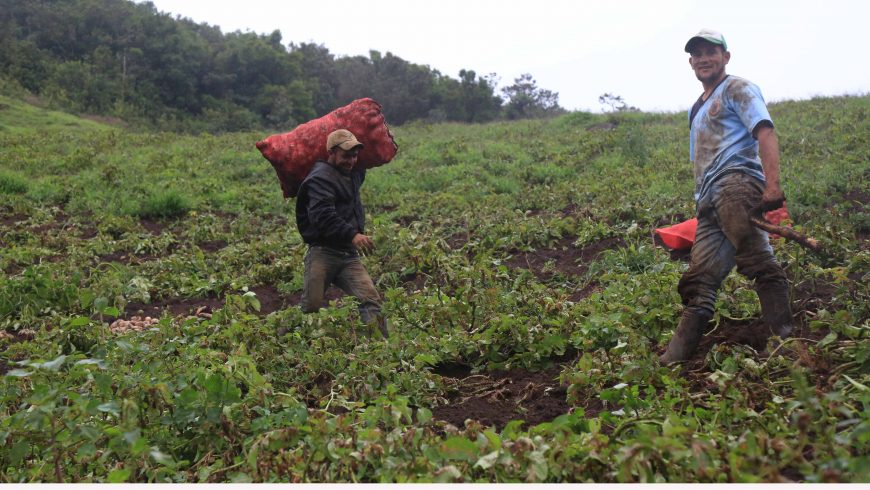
(504, 252)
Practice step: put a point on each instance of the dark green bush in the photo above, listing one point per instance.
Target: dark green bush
(164, 204)
(12, 183)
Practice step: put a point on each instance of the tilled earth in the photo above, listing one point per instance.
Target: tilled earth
(565, 259)
(270, 298)
(496, 398)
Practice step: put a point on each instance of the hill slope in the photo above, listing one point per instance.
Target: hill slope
(521, 281)
(17, 117)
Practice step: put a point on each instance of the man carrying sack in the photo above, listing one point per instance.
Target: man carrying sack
(331, 219)
(736, 157)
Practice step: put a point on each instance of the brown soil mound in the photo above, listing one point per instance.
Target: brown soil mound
(565, 258)
(753, 333)
(125, 257)
(457, 240)
(270, 300)
(175, 306)
(584, 292)
(212, 246)
(12, 220)
(496, 398)
(858, 199)
(152, 226)
(413, 282)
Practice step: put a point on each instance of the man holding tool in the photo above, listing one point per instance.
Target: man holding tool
(736, 160)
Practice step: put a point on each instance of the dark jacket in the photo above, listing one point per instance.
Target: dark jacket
(328, 208)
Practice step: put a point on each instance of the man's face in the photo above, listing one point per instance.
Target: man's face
(708, 60)
(345, 159)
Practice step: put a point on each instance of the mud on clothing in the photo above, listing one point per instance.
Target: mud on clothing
(724, 238)
(329, 213)
(327, 265)
(328, 208)
(729, 183)
(721, 137)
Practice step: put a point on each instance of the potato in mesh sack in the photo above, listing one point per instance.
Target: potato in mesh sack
(293, 154)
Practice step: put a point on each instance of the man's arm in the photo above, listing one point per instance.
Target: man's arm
(321, 211)
(768, 150)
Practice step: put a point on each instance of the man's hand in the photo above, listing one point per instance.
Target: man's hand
(363, 243)
(772, 199)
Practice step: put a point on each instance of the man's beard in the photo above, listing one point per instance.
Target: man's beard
(711, 78)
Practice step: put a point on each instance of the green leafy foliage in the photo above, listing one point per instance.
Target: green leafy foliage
(500, 246)
(11, 183)
(131, 64)
(164, 204)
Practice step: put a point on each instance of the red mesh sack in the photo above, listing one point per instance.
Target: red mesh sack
(682, 235)
(293, 154)
(777, 216)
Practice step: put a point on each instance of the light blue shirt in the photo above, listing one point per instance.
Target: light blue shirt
(720, 139)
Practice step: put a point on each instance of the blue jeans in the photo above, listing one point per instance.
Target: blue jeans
(725, 238)
(325, 266)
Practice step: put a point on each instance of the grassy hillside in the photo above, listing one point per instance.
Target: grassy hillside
(527, 297)
(18, 118)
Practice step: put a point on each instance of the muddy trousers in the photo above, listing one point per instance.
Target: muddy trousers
(325, 266)
(725, 238)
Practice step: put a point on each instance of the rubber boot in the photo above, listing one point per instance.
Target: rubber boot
(373, 317)
(382, 327)
(379, 324)
(685, 340)
(776, 310)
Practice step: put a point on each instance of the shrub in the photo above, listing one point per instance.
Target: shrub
(12, 183)
(164, 204)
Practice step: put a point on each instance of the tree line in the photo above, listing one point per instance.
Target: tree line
(128, 60)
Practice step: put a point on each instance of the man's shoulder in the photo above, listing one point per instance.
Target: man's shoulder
(320, 176)
(320, 170)
(739, 86)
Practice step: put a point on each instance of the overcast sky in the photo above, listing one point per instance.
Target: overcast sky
(793, 49)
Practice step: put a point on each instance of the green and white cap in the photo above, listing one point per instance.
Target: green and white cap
(709, 36)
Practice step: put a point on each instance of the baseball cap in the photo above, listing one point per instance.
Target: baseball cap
(343, 139)
(709, 36)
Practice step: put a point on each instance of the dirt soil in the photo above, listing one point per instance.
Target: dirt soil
(212, 246)
(753, 334)
(457, 240)
(152, 226)
(807, 300)
(858, 199)
(270, 300)
(566, 258)
(413, 282)
(11, 220)
(584, 292)
(125, 257)
(496, 398)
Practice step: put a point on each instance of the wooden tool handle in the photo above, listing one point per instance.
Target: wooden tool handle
(806, 242)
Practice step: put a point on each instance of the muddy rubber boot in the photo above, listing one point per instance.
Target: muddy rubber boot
(776, 310)
(382, 327)
(686, 337)
(372, 317)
